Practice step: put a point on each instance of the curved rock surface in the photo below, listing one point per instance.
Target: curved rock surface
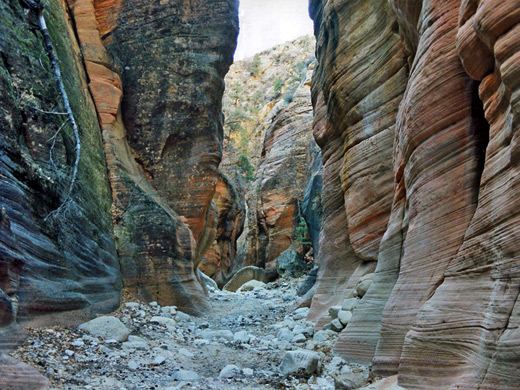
(355, 111)
(219, 262)
(441, 311)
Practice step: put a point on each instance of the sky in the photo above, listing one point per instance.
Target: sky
(267, 23)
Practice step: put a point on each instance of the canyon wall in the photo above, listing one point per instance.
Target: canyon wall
(268, 153)
(147, 100)
(431, 86)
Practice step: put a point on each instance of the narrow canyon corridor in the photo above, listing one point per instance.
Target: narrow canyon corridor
(331, 205)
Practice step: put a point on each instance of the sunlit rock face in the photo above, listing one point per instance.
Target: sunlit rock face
(268, 148)
(219, 260)
(161, 117)
(53, 266)
(442, 309)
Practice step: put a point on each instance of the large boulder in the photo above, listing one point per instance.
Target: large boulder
(291, 263)
(106, 327)
(245, 275)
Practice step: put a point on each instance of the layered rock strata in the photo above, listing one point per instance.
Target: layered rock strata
(57, 255)
(163, 212)
(442, 310)
(219, 261)
(355, 105)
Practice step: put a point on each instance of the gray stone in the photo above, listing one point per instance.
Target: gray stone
(158, 360)
(181, 316)
(186, 376)
(362, 287)
(135, 342)
(349, 304)
(298, 339)
(248, 371)
(132, 305)
(216, 334)
(309, 282)
(210, 283)
(290, 263)
(333, 311)
(284, 334)
(251, 285)
(344, 317)
(185, 352)
(165, 321)
(242, 337)
(106, 327)
(132, 365)
(244, 275)
(321, 335)
(230, 371)
(336, 325)
(307, 361)
(301, 313)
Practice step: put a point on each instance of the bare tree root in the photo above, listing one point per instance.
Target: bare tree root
(36, 7)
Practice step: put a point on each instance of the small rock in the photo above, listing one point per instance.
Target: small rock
(78, 343)
(344, 317)
(300, 313)
(321, 335)
(307, 361)
(165, 321)
(158, 360)
(248, 371)
(230, 371)
(216, 334)
(153, 304)
(132, 305)
(68, 352)
(242, 337)
(132, 365)
(185, 352)
(298, 339)
(333, 311)
(336, 325)
(186, 376)
(284, 334)
(169, 310)
(349, 304)
(106, 327)
(181, 316)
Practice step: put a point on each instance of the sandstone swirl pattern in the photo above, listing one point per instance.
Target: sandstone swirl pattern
(442, 310)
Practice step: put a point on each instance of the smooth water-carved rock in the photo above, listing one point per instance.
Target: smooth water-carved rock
(357, 89)
(245, 275)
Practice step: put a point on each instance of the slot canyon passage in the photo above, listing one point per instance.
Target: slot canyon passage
(341, 211)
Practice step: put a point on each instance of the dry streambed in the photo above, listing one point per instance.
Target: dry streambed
(251, 340)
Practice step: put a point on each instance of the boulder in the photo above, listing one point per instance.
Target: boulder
(230, 371)
(349, 304)
(344, 316)
(333, 311)
(290, 263)
(251, 285)
(245, 275)
(107, 328)
(300, 361)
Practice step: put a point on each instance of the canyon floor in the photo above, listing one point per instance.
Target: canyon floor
(240, 345)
